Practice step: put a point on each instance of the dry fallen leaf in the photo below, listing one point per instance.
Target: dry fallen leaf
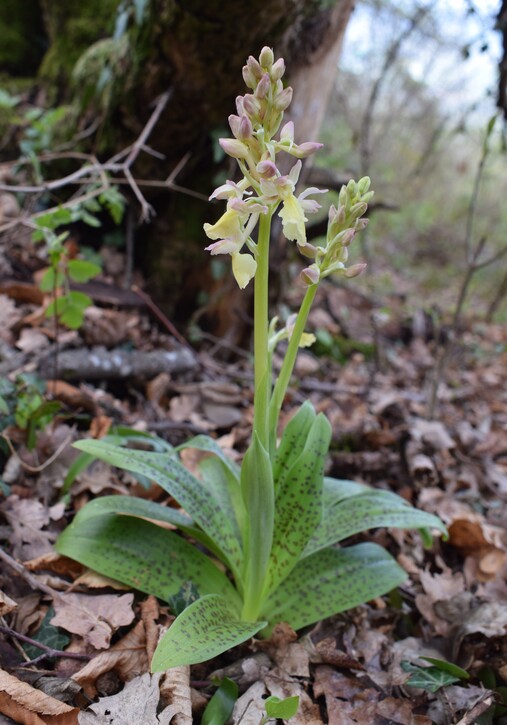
(28, 518)
(95, 618)
(249, 708)
(176, 690)
(127, 657)
(28, 706)
(6, 604)
(136, 704)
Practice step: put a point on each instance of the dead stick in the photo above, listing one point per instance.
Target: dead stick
(49, 651)
(25, 574)
(160, 315)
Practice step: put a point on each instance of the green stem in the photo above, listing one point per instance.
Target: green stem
(261, 326)
(289, 361)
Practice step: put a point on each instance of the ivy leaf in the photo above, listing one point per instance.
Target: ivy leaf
(449, 667)
(428, 678)
(332, 581)
(49, 635)
(204, 630)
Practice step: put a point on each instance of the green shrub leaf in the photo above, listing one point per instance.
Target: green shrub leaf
(331, 581)
(204, 630)
(80, 270)
(142, 555)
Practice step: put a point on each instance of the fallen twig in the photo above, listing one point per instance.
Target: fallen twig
(48, 651)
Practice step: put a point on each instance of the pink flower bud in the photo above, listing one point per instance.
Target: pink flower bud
(283, 99)
(278, 69)
(234, 122)
(245, 130)
(263, 86)
(267, 169)
(355, 270)
(361, 224)
(254, 68)
(233, 147)
(251, 105)
(344, 238)
(303, 150)
(266, 57)
(239, 105)
(248, 77)
(310, 275)
(308, 250)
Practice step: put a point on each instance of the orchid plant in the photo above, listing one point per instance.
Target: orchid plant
(259, 542)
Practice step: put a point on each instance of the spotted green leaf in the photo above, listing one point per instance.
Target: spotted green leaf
(229, 479)
(293, 441)
(173, 477)
(258, 495)
(298, 503)
(369, 509)
(332, 581)
(142, 555)
(144, 508)
(204, 630)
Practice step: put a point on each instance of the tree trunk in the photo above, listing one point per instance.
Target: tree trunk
(195, 49)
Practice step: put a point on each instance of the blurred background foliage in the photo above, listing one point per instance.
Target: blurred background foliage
(416, 86)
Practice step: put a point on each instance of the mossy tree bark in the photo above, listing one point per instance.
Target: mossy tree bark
(197, 49)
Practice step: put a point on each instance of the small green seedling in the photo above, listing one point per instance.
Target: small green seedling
(280, 709)
(68, 306)
(260, 539)
(23, 403)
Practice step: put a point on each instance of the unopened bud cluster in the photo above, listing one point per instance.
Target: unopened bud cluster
(343, 223)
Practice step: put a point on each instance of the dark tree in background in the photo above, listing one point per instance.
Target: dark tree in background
(111, 60)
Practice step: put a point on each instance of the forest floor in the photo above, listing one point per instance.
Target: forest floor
(439, 440)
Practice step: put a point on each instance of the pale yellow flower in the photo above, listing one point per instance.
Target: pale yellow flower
(243, 268)
(293, 219)
(227, 227)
